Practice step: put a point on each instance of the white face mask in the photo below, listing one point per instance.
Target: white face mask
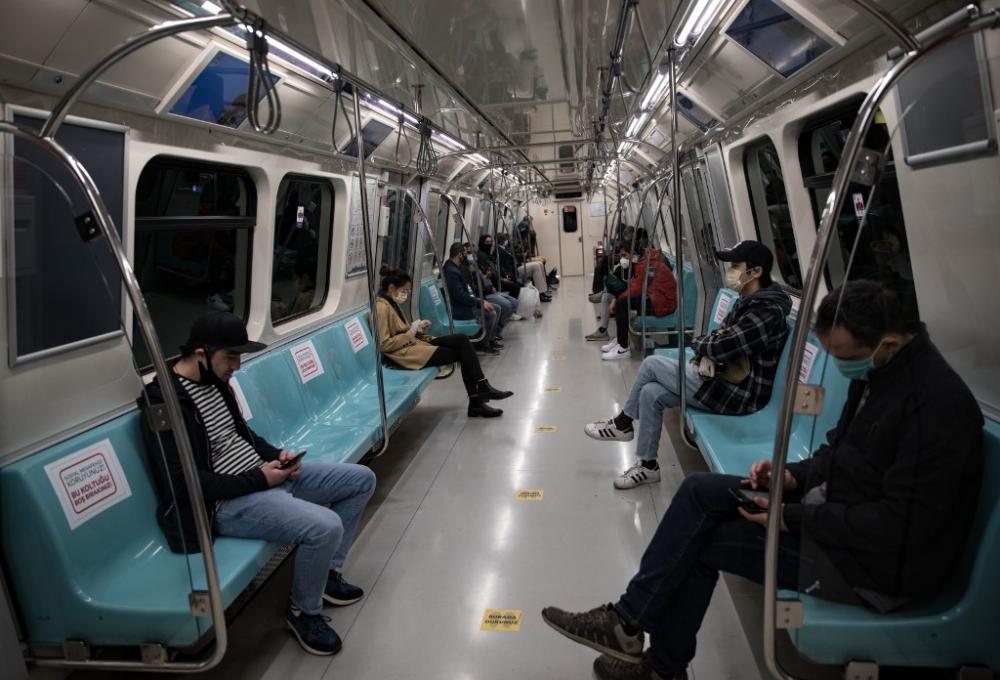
(734, 280)
(470, 258)
(401, 296)
(624, 262)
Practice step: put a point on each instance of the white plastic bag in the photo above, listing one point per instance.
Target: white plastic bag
(528, 301)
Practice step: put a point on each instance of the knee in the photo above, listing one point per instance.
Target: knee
(325, 528)
(708, 489)
(367, 480)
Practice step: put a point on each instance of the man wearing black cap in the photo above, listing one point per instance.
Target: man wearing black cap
(732, 371)
(251, 488)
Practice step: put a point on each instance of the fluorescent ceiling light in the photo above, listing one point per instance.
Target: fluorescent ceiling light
(479, 158)
(448, 141)
(697, 19)
(655, 92)
(210, 7)
(637, 124)
(295, 55)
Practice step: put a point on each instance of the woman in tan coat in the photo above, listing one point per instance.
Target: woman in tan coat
(407, 346)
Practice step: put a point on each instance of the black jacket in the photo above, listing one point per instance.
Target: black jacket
(464, 303)
(169, 478)
(902, 475)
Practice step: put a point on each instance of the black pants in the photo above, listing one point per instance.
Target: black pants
(511, 287)
(452, 348)
(600, 273)
(621, 316)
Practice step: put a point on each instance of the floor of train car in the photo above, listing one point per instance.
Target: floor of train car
(445, 537)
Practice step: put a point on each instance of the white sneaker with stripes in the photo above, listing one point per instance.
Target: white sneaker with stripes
(637, 475)
(605, 431)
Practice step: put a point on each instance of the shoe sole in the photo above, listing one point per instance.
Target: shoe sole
(306, 647)
(636, 485)
(608, 439)
(341, 603)
(597, 647)
(589, 339)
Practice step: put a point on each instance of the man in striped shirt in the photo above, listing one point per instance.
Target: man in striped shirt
(253, 489)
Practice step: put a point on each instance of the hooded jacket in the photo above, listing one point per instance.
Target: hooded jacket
(661, 289)
(755, 328)
(176, 519)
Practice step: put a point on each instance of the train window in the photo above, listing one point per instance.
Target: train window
(441, 229)
(770, 210)
(882, 253)
(303, 223)
(396, 241)
(65, 292)
(193, 240)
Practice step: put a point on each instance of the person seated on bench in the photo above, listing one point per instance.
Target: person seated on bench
(614, 285)
(603, 265)
(877, 516)
(661, 295)
(407, 346)
(248, 490)
(505, 305)
(732, 372)
(488, 262)
(465, 301)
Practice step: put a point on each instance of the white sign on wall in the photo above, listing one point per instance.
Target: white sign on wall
(356, 333)
(808, 359)
(307, 361)
(241, 399)
(356, 234)
(724, 303)
(88, 482)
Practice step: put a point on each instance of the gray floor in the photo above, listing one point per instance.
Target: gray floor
(448, 539)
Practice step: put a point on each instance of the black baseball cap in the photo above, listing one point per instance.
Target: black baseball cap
(754, 253)
(221, 330)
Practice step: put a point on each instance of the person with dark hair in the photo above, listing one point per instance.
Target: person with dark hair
(877, 517)
(732, 371)
(466, 303)
(251, 488)
(505, 305)
(614, 285)
(408, 346)
(660, 295)
(488, 264)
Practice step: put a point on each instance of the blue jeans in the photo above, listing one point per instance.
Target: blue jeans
(504, 309)
(655, 389)
(700, 535)
(319, 512)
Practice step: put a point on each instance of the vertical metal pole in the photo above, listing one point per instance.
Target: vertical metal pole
(370, 269)
(675, 213)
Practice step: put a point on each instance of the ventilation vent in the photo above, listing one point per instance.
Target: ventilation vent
(566, 151)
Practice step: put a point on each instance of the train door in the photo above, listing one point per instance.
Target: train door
(570, 240)
(703, 233)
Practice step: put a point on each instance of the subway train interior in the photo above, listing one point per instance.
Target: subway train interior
(237, 230)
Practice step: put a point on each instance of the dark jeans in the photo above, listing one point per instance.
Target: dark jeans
(600, 273)
(457, 348)
(621, 316)
(511, 287)
(700, 535)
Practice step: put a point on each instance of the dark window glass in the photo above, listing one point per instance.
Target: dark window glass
(373, 133)
(396, 243)
(882, 252)
(770, 210)
(441, 230)
(66, 291)
(303, 223)
(193, 241)
(219, 93)
(776, 37)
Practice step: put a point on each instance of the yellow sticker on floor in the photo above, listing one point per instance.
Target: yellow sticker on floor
(530, 494)
(558, 357)
(553, 389)
(545, 428)
(506, 620)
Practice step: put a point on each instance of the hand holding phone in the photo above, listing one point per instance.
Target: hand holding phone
(292, 462)
(745, 500)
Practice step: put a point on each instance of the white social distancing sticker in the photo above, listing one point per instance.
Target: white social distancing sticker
(724, 302)
(241, 399)
(88, 482)
(307, 361)
(808, 359)
(356, 333)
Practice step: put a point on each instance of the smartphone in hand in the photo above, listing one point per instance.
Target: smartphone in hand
(745, 499)
(292, 462)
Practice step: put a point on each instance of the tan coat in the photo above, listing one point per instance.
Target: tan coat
(395, 340)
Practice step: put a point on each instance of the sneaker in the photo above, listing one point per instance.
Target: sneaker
(485, 348)
(597, 335)
(313, 632)
(538, 314)
(616, 353)
(610, 346)
(609, 668)
(599, 629)
(596, 297)
(516, 317)
(605, 431)
(637, 475)
(339, 592)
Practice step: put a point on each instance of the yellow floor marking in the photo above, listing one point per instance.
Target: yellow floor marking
(530, 494)
(553, 389)
(506, 620)
(545, 428)
(558, 357)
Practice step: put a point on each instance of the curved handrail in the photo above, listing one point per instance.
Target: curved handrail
(370, 271)
(479, 284)
(435, 264)
(821, 249)
(171, 404)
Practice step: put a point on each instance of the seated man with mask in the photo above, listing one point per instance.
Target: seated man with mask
(876, 517)
(732, 371)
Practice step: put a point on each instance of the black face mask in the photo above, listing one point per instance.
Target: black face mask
(206, 373)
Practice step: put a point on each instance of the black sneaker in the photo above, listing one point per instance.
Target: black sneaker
(485, 348)
(313, 632)
(609, 668)
(599, 629)
(339, 592)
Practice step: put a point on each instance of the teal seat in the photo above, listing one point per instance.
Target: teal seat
(955, 628)
(113, 580)
(433, 308)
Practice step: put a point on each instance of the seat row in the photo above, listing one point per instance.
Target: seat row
(947, 631)
(85, 557)
(433, 308)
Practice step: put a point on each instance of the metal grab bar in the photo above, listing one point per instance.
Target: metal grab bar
(479, 284)
(370, 271)
(435, 263)
(821, 249)
(172, 405)
(628, 278)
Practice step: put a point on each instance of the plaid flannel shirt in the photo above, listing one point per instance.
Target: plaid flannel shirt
(755, 328)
